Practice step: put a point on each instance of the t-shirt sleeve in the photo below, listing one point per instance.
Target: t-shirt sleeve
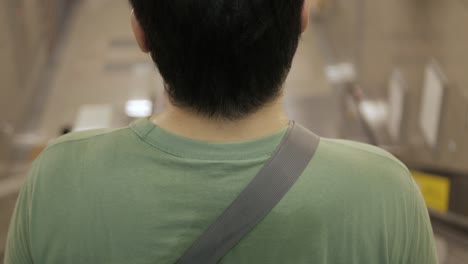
(422, 245)
(18, 246)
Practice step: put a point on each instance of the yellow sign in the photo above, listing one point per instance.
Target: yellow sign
(435, 189)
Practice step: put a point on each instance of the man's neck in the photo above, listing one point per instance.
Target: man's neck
(268, 120)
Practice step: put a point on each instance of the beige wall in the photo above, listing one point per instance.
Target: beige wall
(28, 32)
(8, 85)
(8, 76)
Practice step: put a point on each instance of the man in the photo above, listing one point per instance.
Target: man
(144, 193)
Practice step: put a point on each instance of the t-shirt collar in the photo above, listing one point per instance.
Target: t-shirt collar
(189, 148)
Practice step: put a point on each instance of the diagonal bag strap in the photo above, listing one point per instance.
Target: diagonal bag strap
(256, 201)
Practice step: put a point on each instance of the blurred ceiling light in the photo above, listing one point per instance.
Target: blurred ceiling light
(341, 73)
(374, 112)
(139, 108)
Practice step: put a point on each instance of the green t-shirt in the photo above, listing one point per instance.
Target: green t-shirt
(142, 195)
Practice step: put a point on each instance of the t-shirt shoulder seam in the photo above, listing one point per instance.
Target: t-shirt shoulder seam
(83, 139)
(393, 160)
(142, 136)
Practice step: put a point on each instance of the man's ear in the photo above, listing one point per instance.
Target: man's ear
(305, 15)
(139, 33)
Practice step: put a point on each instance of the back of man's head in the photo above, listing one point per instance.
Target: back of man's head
(221, 58)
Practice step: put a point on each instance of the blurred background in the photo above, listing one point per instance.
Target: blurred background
(389, 73)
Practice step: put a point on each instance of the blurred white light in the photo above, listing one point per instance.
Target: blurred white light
(138, 108)
(374, 111)
(341, 73)
(433, 94)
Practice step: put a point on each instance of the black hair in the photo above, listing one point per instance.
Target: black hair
(221, 58)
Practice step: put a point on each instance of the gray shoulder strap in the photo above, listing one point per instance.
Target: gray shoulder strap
(257, 200)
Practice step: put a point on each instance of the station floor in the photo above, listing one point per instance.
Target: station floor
(96, 65)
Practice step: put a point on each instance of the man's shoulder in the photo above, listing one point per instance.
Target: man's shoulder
(360, 152)
(362, 163)
(81, 136)
(350, 176)
(80, 143)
